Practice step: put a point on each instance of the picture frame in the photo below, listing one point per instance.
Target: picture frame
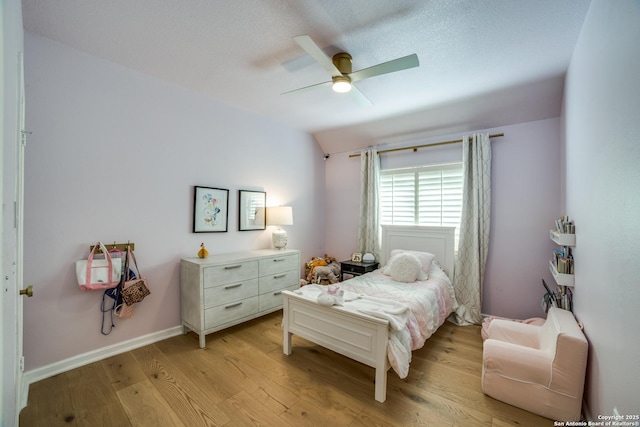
(252, 207)
(356, 257)
(210, 210)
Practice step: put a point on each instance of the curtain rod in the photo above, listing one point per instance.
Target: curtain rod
(415, 147)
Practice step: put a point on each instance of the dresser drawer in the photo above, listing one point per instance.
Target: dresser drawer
(232, 272)
(278, 263)
(229, 312)
(278, 281)
(273, 299)
(226, 293)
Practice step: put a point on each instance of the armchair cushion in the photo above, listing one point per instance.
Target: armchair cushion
(517, 361)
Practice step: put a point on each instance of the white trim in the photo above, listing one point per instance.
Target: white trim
(39, 374)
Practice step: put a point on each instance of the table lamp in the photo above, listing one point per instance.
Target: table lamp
(279, 216)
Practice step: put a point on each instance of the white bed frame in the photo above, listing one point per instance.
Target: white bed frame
(356, 335)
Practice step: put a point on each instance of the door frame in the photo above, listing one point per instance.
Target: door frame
(13, 397)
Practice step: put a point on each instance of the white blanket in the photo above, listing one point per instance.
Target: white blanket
(399, 346)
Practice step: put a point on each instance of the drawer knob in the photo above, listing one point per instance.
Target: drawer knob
(277, 276)
(233, 286)
(230, 267)
(278, 259)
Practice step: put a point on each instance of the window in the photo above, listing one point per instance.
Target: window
(427, 195)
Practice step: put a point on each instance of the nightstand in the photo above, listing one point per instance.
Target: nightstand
(356, 268)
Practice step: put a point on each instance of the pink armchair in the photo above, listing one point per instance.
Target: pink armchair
(537, 368)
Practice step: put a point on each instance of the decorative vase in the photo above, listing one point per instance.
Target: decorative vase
(203, 252)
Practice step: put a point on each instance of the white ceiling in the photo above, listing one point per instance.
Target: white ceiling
(482, 63)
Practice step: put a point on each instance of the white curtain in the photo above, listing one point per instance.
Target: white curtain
(474, 229)
(369, 230)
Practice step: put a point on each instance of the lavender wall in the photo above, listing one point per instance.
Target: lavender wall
(114, 155)
(602, 106)
(525, 202)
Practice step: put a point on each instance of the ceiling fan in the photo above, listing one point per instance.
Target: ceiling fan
(339, 66)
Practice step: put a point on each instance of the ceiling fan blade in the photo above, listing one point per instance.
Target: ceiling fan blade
(406, 62)
(307, 88)
(316, 53)
(360, 98)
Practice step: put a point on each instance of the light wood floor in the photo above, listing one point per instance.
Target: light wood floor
(242, 379)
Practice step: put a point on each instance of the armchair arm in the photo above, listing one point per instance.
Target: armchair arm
(517, 362)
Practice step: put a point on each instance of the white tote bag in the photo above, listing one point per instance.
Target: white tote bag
(98, 274)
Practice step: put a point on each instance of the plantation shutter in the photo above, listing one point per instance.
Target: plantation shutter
(429, 195)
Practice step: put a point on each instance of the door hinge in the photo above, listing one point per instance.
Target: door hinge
(24, 134)
(21, 363)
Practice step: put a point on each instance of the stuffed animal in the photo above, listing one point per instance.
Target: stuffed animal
(325, 275)
(312, 264)
(332, 296)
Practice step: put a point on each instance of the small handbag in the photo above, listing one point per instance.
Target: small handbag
(121, 309)
(98, 274)
(135, 289)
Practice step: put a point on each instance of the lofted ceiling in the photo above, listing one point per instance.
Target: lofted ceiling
(482, 63)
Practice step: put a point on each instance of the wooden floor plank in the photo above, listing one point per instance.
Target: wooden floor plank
(243, 375)
(190, 404)
(123, 370)
(309, 413)
(45, 408)
(146, 407)
(93, 400)
(205, 368)
(243, 409)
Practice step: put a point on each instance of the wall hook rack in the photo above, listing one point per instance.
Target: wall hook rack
(114, 245)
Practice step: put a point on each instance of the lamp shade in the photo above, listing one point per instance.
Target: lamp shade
(280, 215)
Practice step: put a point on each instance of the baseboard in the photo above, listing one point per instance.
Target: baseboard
(44, 372)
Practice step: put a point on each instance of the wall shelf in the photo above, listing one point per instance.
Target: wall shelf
(562, 239)
(560, 278)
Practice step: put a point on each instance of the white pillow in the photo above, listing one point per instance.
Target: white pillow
(426, 258)
(406, 267)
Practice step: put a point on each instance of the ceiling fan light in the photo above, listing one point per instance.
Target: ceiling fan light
(341, 84)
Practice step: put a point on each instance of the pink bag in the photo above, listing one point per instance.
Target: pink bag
(98, 274)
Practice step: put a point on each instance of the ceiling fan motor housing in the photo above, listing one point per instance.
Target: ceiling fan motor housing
(343, 62)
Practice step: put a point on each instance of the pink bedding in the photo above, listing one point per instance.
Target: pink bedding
(429, 301)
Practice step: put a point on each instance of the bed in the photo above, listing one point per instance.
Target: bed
(373, 336)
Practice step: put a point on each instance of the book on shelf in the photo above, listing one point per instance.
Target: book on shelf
(564, 226)
(562, 298)
(563, 260)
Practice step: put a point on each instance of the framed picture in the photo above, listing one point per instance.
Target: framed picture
(356, 257)
(251, 210)
(210, 210)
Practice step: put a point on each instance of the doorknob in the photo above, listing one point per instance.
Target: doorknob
(28, 292)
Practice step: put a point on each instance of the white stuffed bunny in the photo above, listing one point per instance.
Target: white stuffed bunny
(333, 296)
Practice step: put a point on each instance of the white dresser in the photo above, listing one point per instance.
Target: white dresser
(227, 289)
